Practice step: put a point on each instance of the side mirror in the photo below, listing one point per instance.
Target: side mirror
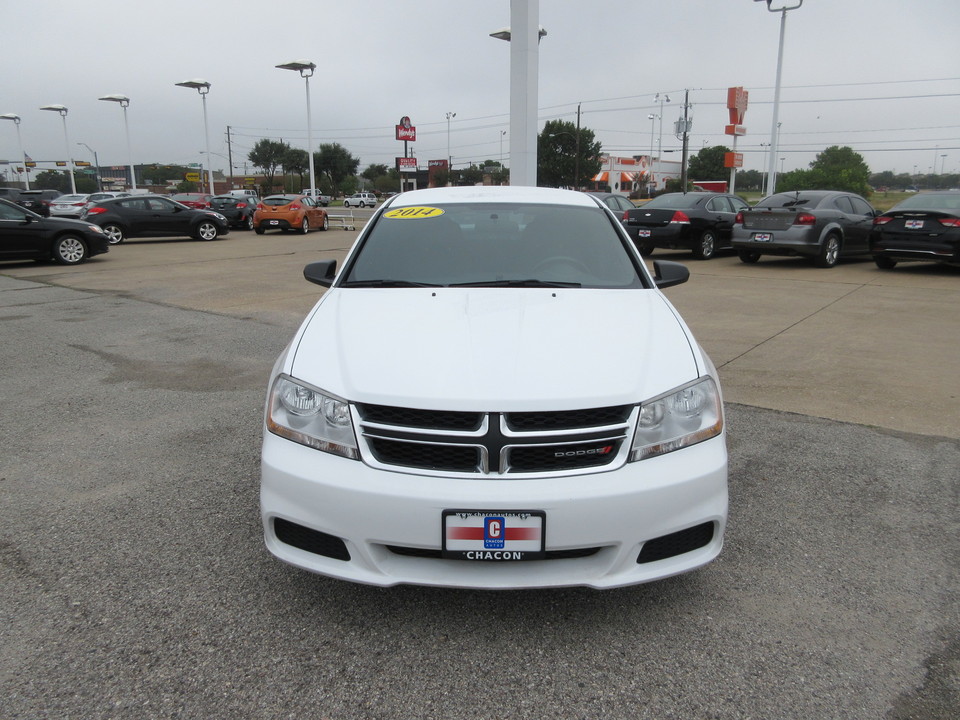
(668, 273)
(321, 272)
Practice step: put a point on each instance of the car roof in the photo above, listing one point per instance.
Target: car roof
(493, 194)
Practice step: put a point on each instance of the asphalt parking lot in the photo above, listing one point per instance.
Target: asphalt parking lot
(136, 583)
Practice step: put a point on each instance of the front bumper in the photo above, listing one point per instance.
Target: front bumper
(389, 523)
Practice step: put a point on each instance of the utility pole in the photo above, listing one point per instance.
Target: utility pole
(576, 164)
(230, 157)
(686, 135)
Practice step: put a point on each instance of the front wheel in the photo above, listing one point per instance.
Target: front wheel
(114, 234)
(884, 263)
(748, 256)
(326, 223)
(346, 204)
(207, 231)
(707, 247)
(69, 250)
(829, 253)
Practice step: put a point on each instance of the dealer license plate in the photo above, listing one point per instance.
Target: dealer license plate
(499, 535)
(643, 233)
(763, 237)
(914, 224)
(274, 222)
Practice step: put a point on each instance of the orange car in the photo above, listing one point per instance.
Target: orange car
(289, 212)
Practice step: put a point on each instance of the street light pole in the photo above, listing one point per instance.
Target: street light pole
(652, 117)
(96, 164)
(524, 36)
(774, 140)
(124, 102)
(202, 87)
(63, 116)
(306, 69)
(23, 157)
(449, 157)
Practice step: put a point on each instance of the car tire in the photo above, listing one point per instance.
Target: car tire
(259, 230)
(326, 223)
(361, 204)
(69, 250)
(346, 204)
(114, 234)
(829, 252)
(646, 249)
(706, 246)
(884, 263)
(748, 256)
(305, 226)
(249, 224)
(207, 231)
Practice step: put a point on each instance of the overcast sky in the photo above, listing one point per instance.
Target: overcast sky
(882, 76)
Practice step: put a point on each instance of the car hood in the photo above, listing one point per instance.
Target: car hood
(494, 349)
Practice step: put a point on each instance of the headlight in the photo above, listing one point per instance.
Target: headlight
(95, 228)
(682, 417)
(309, 416)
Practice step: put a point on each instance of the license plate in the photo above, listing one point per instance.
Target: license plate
(274, 222)
(763, 237)
(914, 224)
(499, 535)
(643, 233)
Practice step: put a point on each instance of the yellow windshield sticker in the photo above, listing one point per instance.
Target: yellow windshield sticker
(413, 213)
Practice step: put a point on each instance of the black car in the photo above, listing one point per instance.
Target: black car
(618, 203)
(923, 227)
(26, 235)
(237, 210)
(38, 201)
(153, 215)
(697, 221)
(821, 225)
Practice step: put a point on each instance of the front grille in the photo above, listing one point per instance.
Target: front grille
(313, 541)
(684, 541)
(503, 444)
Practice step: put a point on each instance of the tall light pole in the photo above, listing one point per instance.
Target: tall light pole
(202, 87)
(63, 116)
(652, 117)
(660, 99)
(124, 102)
(306, 69)
(23, 157)
(449, 157)
(524, 36)
(502, 133)
(774, 140)
(96, 164)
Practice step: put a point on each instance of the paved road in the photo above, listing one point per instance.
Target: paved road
(136, 584)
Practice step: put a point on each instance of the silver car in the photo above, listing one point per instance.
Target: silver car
(68, 206)
(822, 225)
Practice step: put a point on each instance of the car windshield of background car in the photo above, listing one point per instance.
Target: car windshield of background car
(790, 200)
(279, 200)
(674, 201)
(932, 201)
(495, 245)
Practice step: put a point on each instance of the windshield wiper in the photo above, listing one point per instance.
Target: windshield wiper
(388, 284)
(531, 282)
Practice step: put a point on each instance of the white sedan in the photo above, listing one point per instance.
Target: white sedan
(494, 393)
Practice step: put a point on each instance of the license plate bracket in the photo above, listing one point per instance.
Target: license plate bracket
(495, 535)
(643, 233)
(763, 237)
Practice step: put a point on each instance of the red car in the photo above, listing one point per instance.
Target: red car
(200, 201)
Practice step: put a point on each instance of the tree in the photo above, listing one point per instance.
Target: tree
(336, 162)
(708, 164)
(749, 180)
(836, 168)
(472, 175)
(374, 171)
(296, 162)
(557, 155)
(268, 155)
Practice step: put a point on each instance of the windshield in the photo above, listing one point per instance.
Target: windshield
(278, 200)
(673, 201)
(494, 244)
(790, 200)
(932, 201)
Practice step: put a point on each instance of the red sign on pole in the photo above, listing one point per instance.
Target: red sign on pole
(732, 160)
(406, 130)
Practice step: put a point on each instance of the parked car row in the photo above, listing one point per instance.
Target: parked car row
(820, 225)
